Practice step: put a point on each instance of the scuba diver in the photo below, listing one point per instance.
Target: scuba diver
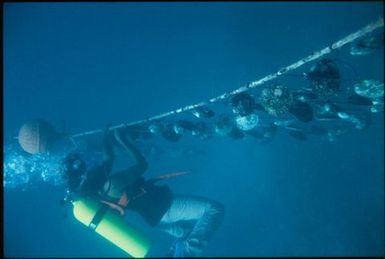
(191, 220)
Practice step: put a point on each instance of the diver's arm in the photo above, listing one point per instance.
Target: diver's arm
(108, 154)
(108, 149)
(133, 152)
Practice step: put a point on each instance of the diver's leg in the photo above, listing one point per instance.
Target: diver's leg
(192, 220)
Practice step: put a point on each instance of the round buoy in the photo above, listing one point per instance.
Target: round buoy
(37, 136)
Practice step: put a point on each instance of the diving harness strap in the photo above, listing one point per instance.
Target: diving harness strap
(98, 217)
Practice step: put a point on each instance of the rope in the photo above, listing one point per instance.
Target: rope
(315, 55)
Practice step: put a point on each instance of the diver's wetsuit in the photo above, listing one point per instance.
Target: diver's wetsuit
(190, 219)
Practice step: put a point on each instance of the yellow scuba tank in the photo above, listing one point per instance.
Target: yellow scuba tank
(109, 224)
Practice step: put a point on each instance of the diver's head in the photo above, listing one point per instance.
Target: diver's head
(73, 168)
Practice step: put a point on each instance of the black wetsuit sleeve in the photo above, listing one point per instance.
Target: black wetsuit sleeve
(109, 156)
(96, 177)
(94, 181)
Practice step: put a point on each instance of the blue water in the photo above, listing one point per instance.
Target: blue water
(82, 66)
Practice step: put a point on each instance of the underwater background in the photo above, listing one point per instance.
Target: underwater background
(82, 66)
